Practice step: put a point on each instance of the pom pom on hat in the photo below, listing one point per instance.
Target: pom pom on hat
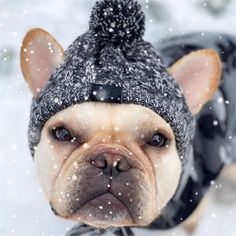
(120, 22)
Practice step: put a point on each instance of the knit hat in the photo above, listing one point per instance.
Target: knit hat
(112, 63)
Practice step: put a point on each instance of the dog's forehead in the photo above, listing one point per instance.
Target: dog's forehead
(106, 114)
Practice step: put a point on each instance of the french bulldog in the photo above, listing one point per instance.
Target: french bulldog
(109, 164)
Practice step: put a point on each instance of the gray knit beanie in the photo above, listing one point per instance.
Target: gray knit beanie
(112, 63)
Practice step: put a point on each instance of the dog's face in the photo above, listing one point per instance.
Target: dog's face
(111, 164)
(107, 164)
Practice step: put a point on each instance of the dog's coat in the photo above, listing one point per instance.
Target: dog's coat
(215, 136)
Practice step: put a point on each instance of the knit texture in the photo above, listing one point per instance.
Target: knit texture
(112, 52)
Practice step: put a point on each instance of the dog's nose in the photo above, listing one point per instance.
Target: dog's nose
(111, 163)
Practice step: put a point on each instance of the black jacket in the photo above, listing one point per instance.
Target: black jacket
(214, 144)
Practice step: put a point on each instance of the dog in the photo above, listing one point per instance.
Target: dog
(112, 164)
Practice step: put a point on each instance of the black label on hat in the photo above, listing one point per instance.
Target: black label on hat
(105, 93)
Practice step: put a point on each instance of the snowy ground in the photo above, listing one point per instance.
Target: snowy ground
(24, 211)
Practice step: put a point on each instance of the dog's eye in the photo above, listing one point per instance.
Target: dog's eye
(158, 140)
(61, 134)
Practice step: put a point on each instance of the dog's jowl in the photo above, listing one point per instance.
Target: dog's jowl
(112, 130)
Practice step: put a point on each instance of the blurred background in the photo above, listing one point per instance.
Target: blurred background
(24, 211)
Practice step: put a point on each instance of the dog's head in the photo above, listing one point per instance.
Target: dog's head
(110, 164)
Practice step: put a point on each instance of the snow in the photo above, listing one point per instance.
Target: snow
(24, 210)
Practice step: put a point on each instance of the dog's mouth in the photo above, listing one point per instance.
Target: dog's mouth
(103, 209)
(99, 206)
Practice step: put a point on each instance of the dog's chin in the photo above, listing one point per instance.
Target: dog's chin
(104, 211)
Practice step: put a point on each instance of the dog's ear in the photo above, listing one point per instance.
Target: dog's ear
(198, 75)
(40, 54)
